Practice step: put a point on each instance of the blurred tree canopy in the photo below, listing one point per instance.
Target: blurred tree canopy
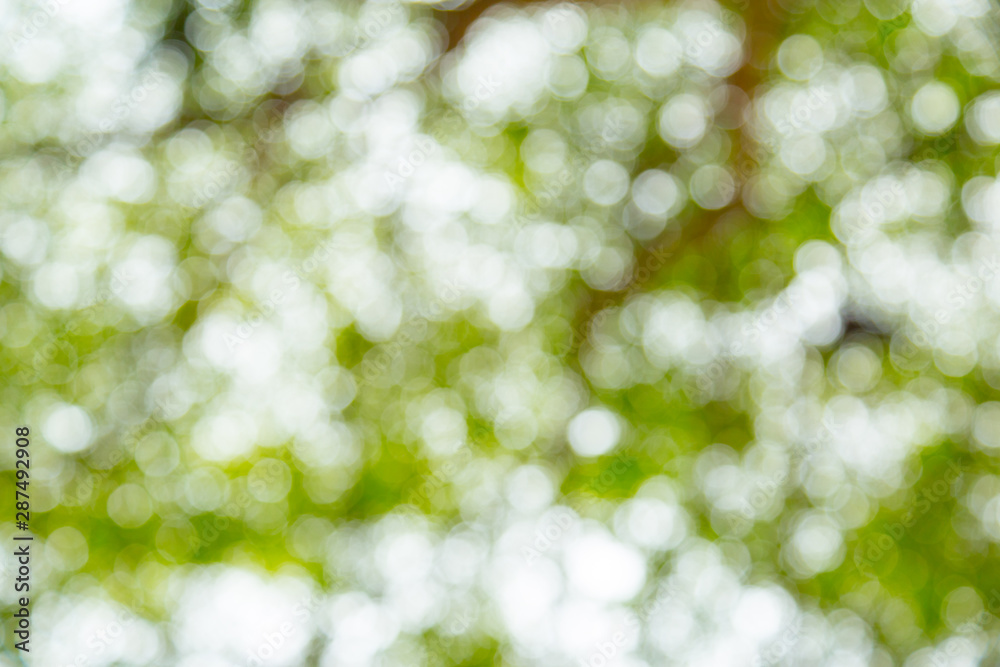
(393, 333)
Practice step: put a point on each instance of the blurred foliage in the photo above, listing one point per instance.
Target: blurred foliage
(283, 282)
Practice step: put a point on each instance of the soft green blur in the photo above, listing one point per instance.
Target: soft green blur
(350, 303)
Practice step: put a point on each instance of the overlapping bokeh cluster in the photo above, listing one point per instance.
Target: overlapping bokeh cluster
(618, 335)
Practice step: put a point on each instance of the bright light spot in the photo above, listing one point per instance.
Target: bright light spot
(800, 57)
(804, 155)
(983, 119)
(67, 428)
(529, 489)
(593, 432)
(130, 506)
(606, 182)
(816, 545)
(651, 523)
(712, 187)
(683, 120)
(986, 427)
(934, 108)
(224, 436)
(657, 193)
(269, 480)
(157, 454)
(25, 240)
(857, 368)
(603, 568)
(227, 615)
(122, 174)
(56, 285)
(66, 549)
(658, 52)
